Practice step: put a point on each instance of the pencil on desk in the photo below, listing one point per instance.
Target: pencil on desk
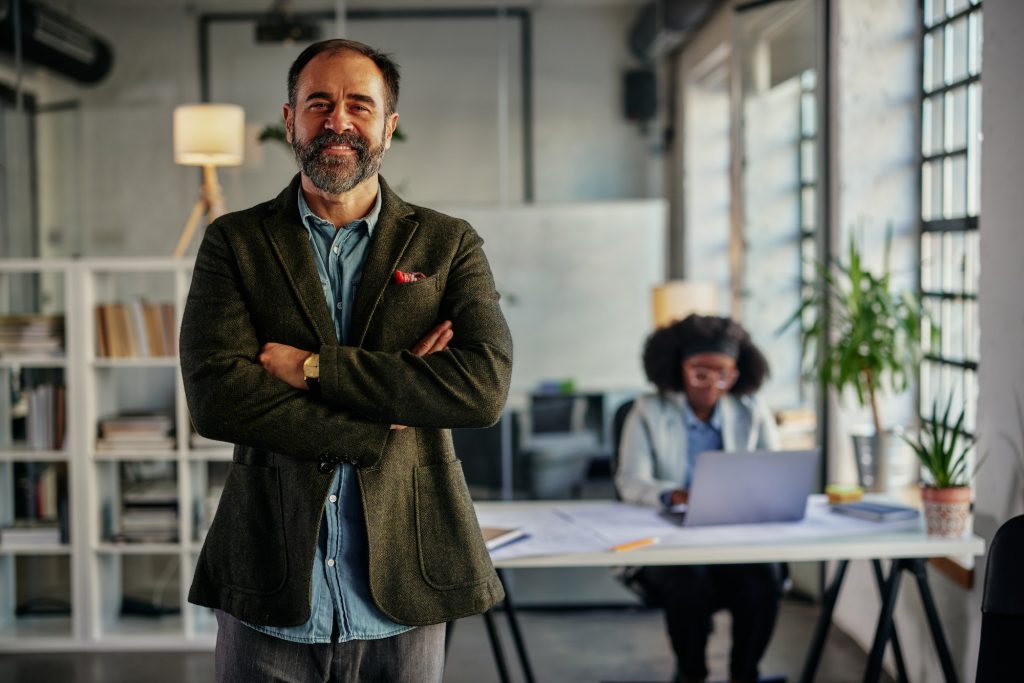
(633, 545)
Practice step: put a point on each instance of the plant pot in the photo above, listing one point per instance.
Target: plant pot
(946, 510)
(884, 461)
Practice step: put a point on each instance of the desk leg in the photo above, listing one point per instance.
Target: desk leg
(920, 573)
(828, 604)
(517, 636)
(499, 653)
(884, 629)
(897, 651)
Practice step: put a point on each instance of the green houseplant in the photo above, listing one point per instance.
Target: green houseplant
(943, 449)
(870, 341)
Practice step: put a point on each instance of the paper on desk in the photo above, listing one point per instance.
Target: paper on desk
(550, 533)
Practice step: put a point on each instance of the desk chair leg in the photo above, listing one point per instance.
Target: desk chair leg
(883, 632)
(517, 636)
(828, 604)
(499, 653)
(897, 651)
(920, 573)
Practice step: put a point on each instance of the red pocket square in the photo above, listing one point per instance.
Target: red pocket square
(405, 278)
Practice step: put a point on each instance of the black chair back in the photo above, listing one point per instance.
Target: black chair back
(1002, 606)
(618, 422)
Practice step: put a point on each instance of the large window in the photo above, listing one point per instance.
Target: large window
(950, 171)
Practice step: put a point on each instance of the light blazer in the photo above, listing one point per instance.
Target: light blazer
(255, 281)
(652, 454)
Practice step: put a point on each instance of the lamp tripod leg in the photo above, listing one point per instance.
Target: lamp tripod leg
(198, 209)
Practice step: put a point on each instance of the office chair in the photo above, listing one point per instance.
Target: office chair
(1002, 606)
(618, 423)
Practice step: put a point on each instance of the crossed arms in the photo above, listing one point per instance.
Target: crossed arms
(444, 381)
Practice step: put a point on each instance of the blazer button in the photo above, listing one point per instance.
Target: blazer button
(326, 467)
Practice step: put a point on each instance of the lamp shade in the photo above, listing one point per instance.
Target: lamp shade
(209, 134)
(676, 299)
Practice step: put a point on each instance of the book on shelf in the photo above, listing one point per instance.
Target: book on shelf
(32, 408)
(31, 532)
(135, 329)
(135, 432)
(32, 334)
(40, 496)
(149, 509)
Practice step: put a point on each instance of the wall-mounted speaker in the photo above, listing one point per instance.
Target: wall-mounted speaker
(640, 95)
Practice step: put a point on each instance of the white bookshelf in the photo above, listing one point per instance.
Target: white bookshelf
(123, 596)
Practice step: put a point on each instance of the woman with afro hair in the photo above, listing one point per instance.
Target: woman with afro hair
(706, 370)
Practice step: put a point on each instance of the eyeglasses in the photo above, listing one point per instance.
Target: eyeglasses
(700, 377)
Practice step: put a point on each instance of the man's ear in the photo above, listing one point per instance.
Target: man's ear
(390, 124)
(289, 122)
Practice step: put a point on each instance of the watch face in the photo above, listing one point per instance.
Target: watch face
(311, 367)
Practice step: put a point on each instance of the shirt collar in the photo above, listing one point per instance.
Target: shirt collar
(715, 421)
(312, 221)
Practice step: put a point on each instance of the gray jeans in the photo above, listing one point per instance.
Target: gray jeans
(245, 655)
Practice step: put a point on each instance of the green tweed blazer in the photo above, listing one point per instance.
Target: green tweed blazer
(255, 281)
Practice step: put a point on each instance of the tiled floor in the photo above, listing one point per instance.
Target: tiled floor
(611, 645)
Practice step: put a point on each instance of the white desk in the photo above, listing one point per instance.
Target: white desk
(822, 536)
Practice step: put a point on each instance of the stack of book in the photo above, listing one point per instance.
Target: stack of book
(135, 433)
(30, 532)
(32, 334)
(40, 504)
(149, 512)
(136, 329)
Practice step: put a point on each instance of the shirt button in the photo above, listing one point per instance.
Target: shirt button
(333, 498)
(330, 562)
(326, 467)
(339, 306)
(337, 249)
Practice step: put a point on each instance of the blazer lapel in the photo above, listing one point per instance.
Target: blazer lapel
(290, 242)
(394, 231)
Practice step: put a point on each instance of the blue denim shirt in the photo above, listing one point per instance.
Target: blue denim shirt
(341, 584)
(700, 436)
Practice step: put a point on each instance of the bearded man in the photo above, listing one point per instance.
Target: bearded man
(335, 334)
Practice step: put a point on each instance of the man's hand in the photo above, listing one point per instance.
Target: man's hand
(435, 340)
(285, 363)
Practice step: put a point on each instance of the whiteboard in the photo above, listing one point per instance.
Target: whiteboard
(575, 282)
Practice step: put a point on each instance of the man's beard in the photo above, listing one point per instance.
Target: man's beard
(337, 174)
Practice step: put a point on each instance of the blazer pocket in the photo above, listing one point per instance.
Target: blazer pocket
(245, 547)
(451, 548)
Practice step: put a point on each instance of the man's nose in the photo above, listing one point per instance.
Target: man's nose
(338, 121)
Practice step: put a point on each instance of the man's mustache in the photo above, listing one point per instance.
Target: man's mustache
(329, 138)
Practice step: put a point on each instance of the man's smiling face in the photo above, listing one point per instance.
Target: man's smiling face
(338, 126)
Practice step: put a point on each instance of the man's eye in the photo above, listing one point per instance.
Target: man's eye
(318, 105)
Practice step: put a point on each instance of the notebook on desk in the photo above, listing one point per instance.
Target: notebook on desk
(748, 488)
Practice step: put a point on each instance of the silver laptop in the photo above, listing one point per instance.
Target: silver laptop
(750, 487)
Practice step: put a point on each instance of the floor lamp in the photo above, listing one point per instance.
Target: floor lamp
(207, 135)
(674, 300)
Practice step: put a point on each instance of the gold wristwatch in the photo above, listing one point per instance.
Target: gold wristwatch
(311, 372)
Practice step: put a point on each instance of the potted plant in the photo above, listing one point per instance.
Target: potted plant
(943, 448)
(870, 342)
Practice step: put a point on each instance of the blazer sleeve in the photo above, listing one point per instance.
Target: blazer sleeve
(634, 476)
(463, 386)
(231, 397)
